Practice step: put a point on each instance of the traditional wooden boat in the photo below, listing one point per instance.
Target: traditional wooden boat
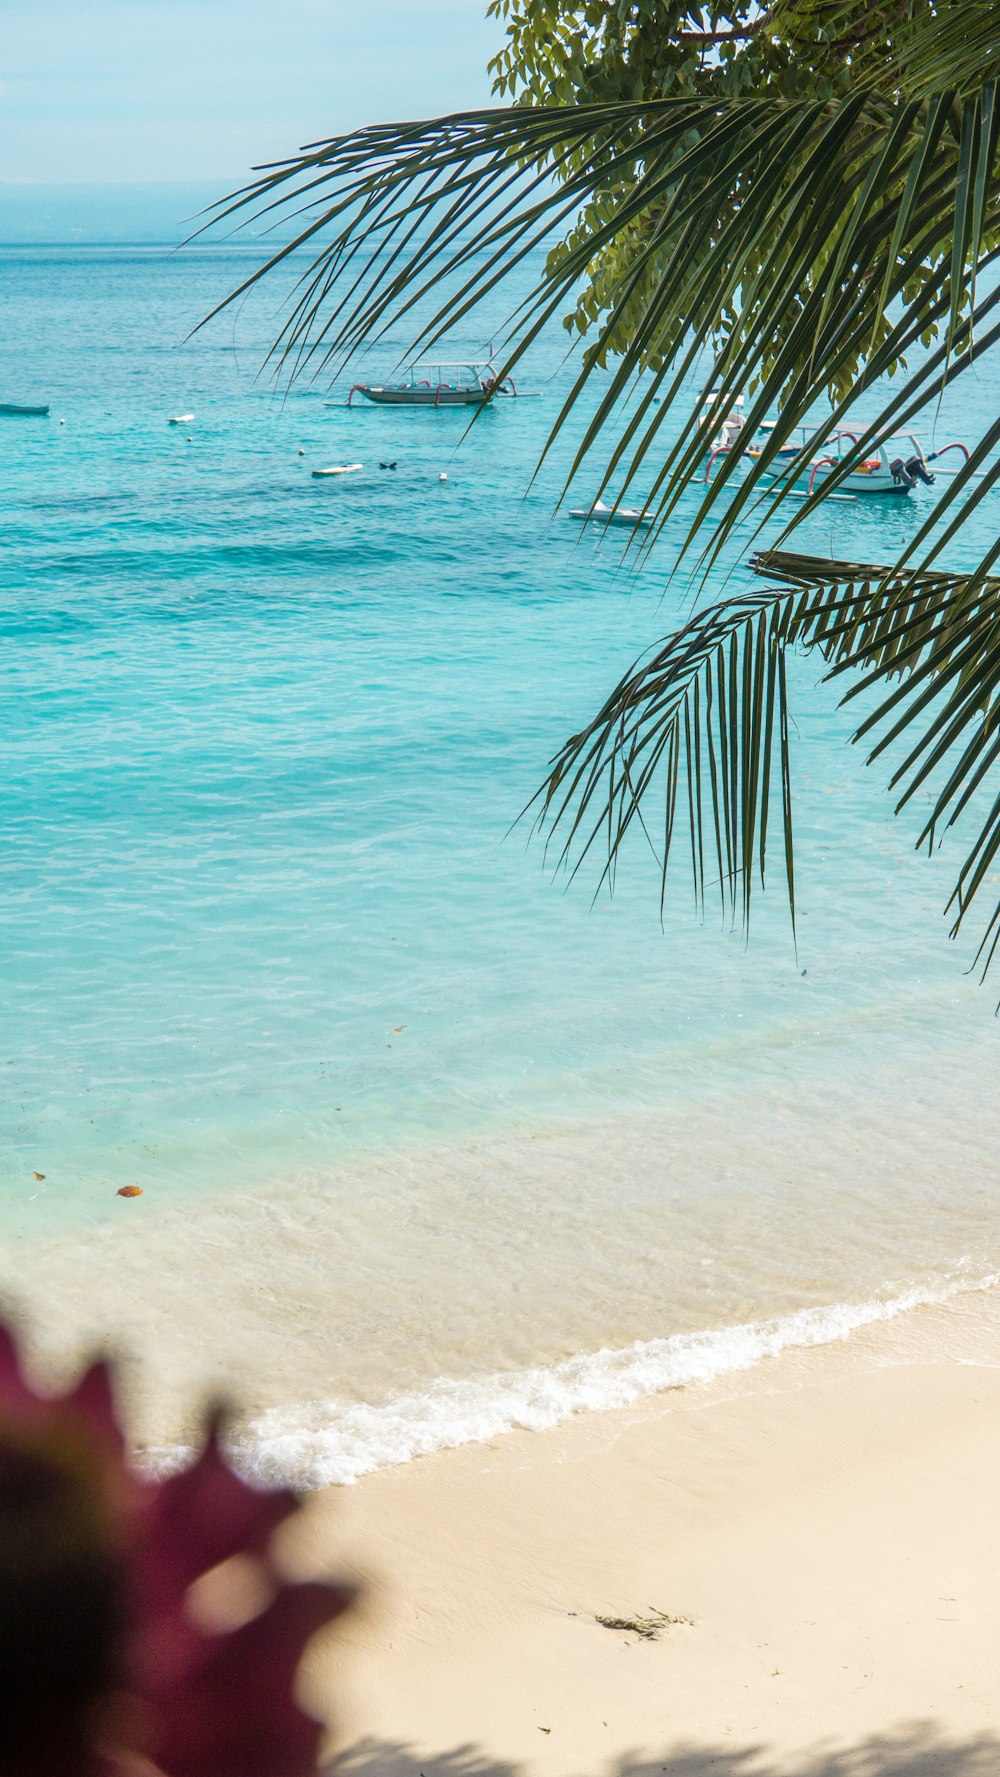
(18, 409)
(460, 384)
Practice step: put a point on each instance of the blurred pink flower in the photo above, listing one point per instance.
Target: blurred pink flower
(117, 1654)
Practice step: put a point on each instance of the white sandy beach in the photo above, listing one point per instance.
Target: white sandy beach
(829, 1527)
(825, 1518)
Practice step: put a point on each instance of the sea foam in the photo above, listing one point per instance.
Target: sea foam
(319, 1443)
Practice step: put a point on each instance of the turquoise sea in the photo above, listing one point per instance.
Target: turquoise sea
(268, 914)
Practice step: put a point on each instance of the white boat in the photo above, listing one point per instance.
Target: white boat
(601, 514)
(893, 467)
(338, 469)
(180, 419)
(461, 384)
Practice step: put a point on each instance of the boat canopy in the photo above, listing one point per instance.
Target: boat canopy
(480, 368)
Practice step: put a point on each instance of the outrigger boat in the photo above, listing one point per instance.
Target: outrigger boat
(467, 383)
(887, 470)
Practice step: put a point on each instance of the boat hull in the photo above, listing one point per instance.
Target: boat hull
(872, 483)
(424, 397)
(12, 409)
(611, 515)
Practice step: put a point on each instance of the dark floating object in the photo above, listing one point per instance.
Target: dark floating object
(15, 407)
(391, 465)
(130, 1191)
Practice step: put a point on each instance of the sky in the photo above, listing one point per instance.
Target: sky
(126, 91)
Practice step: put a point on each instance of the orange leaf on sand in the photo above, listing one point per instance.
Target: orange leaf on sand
(130, 1191)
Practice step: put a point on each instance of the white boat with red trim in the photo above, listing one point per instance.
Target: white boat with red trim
(894, 466)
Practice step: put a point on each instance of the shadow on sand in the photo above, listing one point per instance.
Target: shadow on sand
(914, 1749)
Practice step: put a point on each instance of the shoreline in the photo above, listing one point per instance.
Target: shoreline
(304, 1446)
(826, 1522)
(496, 1282)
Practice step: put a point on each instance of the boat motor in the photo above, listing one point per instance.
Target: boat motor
(909, 473)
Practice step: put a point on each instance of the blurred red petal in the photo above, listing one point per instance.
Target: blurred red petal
(14, 1391)
(213, 1705)
(200, 1517)
(234, 1714)
(93, 1400)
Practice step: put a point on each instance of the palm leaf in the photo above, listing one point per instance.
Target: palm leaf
(709, 708)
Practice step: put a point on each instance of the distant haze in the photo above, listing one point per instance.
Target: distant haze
(170, 91)
(42, 215)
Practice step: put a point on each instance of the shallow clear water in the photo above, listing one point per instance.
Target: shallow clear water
(263, 741)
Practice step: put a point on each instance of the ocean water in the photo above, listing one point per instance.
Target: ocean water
(271, 924)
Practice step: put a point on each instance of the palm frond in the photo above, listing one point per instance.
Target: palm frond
(961, 51)
(696, 735)
(837, 232)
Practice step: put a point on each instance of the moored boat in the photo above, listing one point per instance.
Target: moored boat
(18, 408)
(598, 513)
(461, 384)
(894, 466)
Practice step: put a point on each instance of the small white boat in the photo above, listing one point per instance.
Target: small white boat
(601, 514)
(180, 419)
(460, 384)
(337, 469)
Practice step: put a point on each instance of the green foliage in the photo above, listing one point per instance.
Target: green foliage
(562, 52)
